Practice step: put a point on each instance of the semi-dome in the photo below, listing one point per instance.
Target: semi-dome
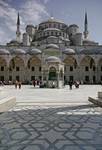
(53, 59)
(52, 37)
(18, 51)
(51, 29)
(52, 46)
(34, 51)
(4, 52)
(69, 51)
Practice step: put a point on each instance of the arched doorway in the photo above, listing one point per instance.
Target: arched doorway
(70, 69)
(16, 69)
(3, 70)
(88, 70)
(34, 69)
(52, 73)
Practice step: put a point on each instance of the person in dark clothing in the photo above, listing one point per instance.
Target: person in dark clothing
(70, 84)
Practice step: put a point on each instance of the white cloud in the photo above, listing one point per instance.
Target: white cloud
(31, 12)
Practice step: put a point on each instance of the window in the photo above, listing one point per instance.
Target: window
(101, 68)
(101, 78)
(86, 68)
(94, 68)
(71, 78)
(51, 33)
(40, 77)
(71, 68)
(87, 78)
(17, 68)
(33, 68)
(32, 78)
(49, 25)
(64, 68)
(2, 78)
(2, 68)
(54, 25)
(17, 78)
(94, 79)
(10, 78)
(10, 69)
(39, 68)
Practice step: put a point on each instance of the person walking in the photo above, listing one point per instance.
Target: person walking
(70, 84)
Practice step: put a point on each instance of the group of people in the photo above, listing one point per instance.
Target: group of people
(76, 83)
(18, 84)
(36, 83)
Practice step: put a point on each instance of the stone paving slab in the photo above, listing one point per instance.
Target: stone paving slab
(51, 128)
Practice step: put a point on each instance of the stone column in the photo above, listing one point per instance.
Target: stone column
(58, 79)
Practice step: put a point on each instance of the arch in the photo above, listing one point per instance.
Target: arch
(17, 69)
(16, 61)
(33, 61)
(87, 61)
(3, 69)
(52, 73)
(100, 61)
(34, 68)
(70, 61)
(88, 69)
(3, 61)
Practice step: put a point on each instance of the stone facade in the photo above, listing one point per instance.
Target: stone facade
(51, 51)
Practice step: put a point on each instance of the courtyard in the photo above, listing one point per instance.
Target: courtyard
(51, 119)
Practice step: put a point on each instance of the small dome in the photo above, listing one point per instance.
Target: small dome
(67, 40)
(34, 51)
(52, 46)
(18, 51)
(4, 52)
(74, 25)
(53, 59)
(61, 37)
(69, 51)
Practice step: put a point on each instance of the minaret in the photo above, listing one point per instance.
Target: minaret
(86, 27)
(18, 33)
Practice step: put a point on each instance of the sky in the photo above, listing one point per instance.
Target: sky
(36, 11)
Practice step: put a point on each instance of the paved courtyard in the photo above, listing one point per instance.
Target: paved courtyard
(29, 94)
(52, 127)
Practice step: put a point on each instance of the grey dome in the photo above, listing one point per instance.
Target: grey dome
(53, 59)
(91, 51)
(4, 52)
(52, 46)
(69, 51)
(18, 51)
(52, 19)
(34, 51)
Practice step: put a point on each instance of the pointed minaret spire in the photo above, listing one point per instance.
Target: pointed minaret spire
(86, 27)
(18, 33)
(18, 20)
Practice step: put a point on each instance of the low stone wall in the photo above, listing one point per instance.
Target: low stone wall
(7, 103)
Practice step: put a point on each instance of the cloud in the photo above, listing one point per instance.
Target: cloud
(31, 12)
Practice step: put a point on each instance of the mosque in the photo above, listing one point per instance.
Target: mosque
(52, 52)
